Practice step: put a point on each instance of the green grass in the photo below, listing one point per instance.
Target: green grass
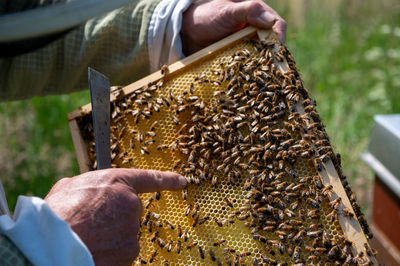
(349, 59)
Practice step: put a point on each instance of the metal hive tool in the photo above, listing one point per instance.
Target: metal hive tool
(265, 185)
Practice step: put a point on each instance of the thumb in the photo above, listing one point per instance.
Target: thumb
(259, 14)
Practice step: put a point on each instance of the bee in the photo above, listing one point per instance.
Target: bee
(169, 224)
(153, 126)
(254, 262)
(153, 256)
(347, 212)
(178, 247)
(132, 144)
(336, 202)
(219, 242)
(228, 202)
(169, 246)
(268, 260)
(144, 150)
(203, 220)
(146, 218)
(155, 215)
(313, 203)
(161, 243)
(298, 237)
(157, 223)
(164, 70)
(195, 210)
(201, 253)
(162, 146)
(179, 229)
(191, 245)
(142, 261)
(187, 209)
(218, 222)
(148, 202)
(327, 190)
(332, 252)
(332, 215)
(157, 195)
(214, 180)
(368, 250)
(195, 221)
(175, 119)
(186, 235)
(176, 164)
(359, 257)
(184, 193)
(154, 236)
(212, 255)
(296, 253)
(314, 234)
(227, 257)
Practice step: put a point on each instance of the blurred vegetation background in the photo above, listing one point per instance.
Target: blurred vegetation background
(347, 52)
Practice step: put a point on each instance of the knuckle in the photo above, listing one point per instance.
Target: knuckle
(156, 175)
(255, 5)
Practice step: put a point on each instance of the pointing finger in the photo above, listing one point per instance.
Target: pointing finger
(144, 181)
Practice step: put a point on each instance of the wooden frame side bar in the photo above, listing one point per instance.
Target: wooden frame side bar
(80, 147)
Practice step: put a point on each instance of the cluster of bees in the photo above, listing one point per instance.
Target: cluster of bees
(255, 131)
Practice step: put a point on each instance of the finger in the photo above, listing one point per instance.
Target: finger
(151, 181)
(280, 30)
(252, 12)
(259, 14)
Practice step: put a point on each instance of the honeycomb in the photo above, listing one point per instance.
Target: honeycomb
(241, 206)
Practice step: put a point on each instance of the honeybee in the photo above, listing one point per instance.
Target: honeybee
(218, 222)
(179, 231)
(161, 243)
(203, 220)
(157, 195)
(169, 224)
(219, 242)
(201, 252)
(153, 255)
(164, 70)
(184, 193)
(148, 202)
(347, 212)
(178, 246)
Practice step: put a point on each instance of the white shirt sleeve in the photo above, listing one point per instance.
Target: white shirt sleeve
(43, 237)
(164, 41)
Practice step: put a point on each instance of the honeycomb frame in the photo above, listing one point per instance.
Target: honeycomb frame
(171, 206)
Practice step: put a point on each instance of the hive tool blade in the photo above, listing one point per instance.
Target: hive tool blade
(100, 97)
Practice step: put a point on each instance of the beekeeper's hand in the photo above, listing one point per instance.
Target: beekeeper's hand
(103, 208)
(206, 22)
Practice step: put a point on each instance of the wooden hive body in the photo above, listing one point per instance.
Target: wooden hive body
(251, 167)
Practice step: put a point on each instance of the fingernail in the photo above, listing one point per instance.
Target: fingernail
(182, 181)
(267, 19)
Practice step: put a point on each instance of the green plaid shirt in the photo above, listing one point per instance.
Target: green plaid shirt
(10, 254)
(114, 44)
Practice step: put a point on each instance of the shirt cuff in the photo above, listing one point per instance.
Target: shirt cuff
(164, 41)
(43, 237)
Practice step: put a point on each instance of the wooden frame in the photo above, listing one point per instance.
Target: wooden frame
(329, 175)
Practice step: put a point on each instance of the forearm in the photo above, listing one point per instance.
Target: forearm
(115, 44)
